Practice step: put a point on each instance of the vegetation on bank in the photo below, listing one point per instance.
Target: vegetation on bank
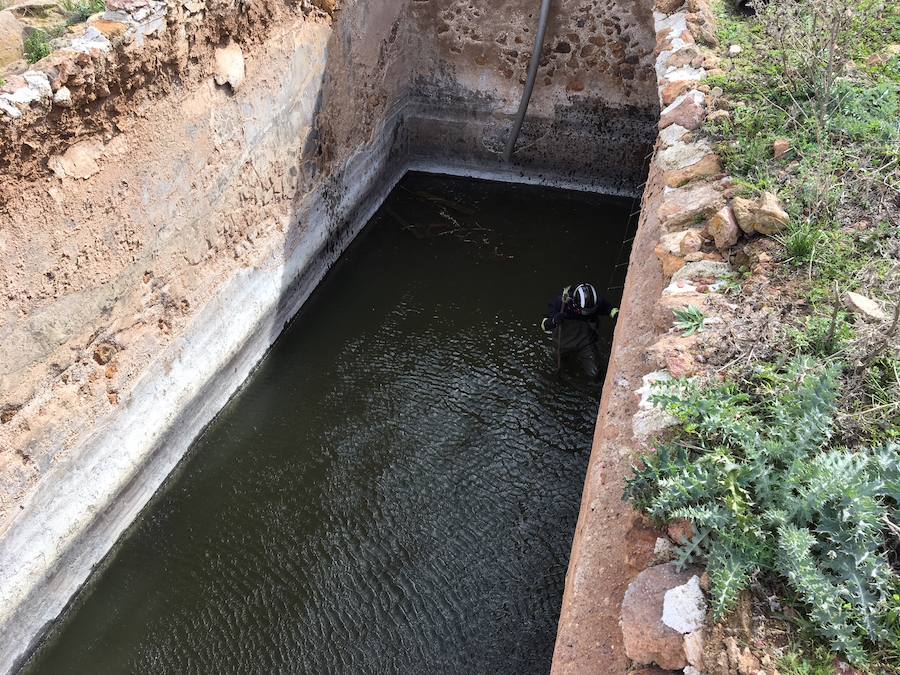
(789, 470)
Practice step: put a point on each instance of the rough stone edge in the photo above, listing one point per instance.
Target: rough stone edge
(680, 68)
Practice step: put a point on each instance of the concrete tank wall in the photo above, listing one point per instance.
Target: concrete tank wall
(152, 246)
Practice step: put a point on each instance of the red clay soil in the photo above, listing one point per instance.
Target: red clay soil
(612, 544)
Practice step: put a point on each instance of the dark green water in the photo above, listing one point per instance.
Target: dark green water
(395, 488)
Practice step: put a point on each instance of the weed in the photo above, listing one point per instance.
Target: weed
(755, 472)
(37, 45)
(82, 10)
(689, 319)
(822, 335)
(800, 243)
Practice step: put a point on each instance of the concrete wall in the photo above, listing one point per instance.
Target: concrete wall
(156, 248)
(593, 112)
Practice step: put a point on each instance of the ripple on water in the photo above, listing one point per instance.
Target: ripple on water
(396, 487)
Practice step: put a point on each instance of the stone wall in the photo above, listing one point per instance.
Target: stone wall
(692, 228)
(593, 112)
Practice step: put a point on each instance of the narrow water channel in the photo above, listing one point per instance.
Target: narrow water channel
(395, 488)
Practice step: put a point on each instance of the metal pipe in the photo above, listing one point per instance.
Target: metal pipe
(533, 64)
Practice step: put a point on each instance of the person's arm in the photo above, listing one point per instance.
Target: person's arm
(554, 315)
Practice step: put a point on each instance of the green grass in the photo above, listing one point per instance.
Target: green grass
(82, 10)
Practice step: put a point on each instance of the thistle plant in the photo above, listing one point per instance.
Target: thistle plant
(753, 470)
(689, 319)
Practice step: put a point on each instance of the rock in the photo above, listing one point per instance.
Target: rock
(680, 531)
(692, 241)
(668, 6)
(702, 270)
(680, 155)
(688, 111)
(38, 82)
(732, 651)
(765, 215)
(724, 228)
(229, 65)
(864, 306)
(670, 91)
(646, 638)
(327, 6)
(104, 352)
(690, 670)
(11, 40)
(748, 664)
(685, 206)
(63, 97)
(742, 213)
(693, 648)
(780, 148)
(707, 167)
(8, 411)
(734, 50)
(684, 607)
(770, 217)
(79, 161)
(650, 420)
(669, 256)
(110, 29)
(663, 551)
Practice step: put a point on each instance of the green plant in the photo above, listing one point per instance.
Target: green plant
(37, 45)
(82, 10)
(753, 470)
(800, 243)
(822, 335)
(689, 319)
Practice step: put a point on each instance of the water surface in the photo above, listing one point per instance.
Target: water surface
(395, 488)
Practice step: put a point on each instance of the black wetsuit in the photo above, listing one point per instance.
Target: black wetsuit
(575, 335)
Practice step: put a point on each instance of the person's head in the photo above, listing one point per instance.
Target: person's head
(583, 300)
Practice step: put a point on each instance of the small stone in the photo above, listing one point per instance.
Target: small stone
(645, 637)
(702, 270)
(78, 161)
(229, 65)
(741, 208)
(104, 352)
(748, 664)
(769, 217)
(707, 167)
(688, 110)
(690, 670)
(692, 241)
(765, 215)
(684, 607)
(864, 306)
(734, 50)
(663, 551)
(688, 205)
(668, 6)
(724, 228)
(680, 531)
(780, 148)
(718, 116)
(693, 648)
(63, 97)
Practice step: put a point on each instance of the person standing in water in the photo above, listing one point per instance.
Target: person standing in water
(573, 320)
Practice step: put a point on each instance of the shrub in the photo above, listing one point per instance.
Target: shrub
(754, 472)
(37, 45)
